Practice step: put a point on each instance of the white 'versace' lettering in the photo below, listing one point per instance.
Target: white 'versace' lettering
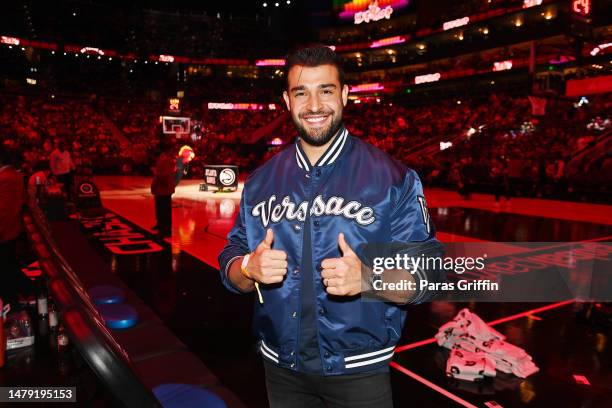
(271, 211)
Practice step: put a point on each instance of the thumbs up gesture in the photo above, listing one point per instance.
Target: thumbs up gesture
(342, 276)
(266, 265)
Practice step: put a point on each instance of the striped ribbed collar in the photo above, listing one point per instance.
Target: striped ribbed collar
(330, 156)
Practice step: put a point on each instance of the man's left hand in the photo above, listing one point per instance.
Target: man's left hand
(342, 276)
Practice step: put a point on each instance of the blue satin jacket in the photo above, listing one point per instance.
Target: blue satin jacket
(356, 189)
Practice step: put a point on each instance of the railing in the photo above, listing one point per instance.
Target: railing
(83, 323)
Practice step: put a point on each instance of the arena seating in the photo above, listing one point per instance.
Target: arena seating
(493, 138)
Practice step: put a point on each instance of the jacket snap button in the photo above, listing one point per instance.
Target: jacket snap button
(292, 365)
(329, 368)
(321, 312)
(326, 355)
(318, 173)
(293, 314)
(297, 227)
(296, 271)
(316, 223)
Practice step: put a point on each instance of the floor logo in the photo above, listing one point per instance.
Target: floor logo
(119, 237)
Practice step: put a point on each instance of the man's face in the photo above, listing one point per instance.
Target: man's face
(315, 100)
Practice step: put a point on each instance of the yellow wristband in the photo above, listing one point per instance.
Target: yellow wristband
(243, 269)
(243, 266)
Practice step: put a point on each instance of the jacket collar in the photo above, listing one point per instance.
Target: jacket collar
(335, 149)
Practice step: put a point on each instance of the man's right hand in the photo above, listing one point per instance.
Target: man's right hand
(266, 265)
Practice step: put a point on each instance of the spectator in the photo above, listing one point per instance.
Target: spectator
(185, 156)
(61, 166)
(12, 281)
(162, 188)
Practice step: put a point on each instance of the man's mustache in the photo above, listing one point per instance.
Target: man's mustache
(310, 113)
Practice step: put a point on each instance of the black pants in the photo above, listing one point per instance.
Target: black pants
(288, 388)
(163, 214)
(66, 180)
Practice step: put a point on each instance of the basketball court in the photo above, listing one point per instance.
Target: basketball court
(181, 283)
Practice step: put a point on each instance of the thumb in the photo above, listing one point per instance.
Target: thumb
(344, 247)
(269, 239)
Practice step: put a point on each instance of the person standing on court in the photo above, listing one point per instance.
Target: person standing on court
(61, 166)
(185, 156)
(162, 188)
(303, 216)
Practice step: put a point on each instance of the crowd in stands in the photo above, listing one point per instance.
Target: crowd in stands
(223, 136)
(33, 124)
(494, 143)
(516, 151)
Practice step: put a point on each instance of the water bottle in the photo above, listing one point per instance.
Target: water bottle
(52, 317)
(42, 303)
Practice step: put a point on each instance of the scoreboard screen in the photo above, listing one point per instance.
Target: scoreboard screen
(365, 11)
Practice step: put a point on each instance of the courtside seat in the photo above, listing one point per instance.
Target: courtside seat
(231, 400)
(187, 396)
(157, 357)
(145, 314)
(106, 294)
(160, 341)
(118, 316)
(176, 367)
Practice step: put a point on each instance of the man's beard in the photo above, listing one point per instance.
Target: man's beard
(319, 137)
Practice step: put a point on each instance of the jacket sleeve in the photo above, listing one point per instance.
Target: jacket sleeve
(237, 246)
(413, 233)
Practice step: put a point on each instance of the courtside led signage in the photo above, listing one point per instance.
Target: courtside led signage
(455, 23)
(240, 106)
(398, 39)
(367, 87)
(270, 63)
(600, 47)
(531, 3)
(562, 59)
(9, 40)
(502, 65)
(166, 58)
(445, 145)
(421, 79)
(91, 50)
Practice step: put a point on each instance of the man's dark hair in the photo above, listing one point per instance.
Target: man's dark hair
(313, 56)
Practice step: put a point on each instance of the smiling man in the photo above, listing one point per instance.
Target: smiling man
(303, 217)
